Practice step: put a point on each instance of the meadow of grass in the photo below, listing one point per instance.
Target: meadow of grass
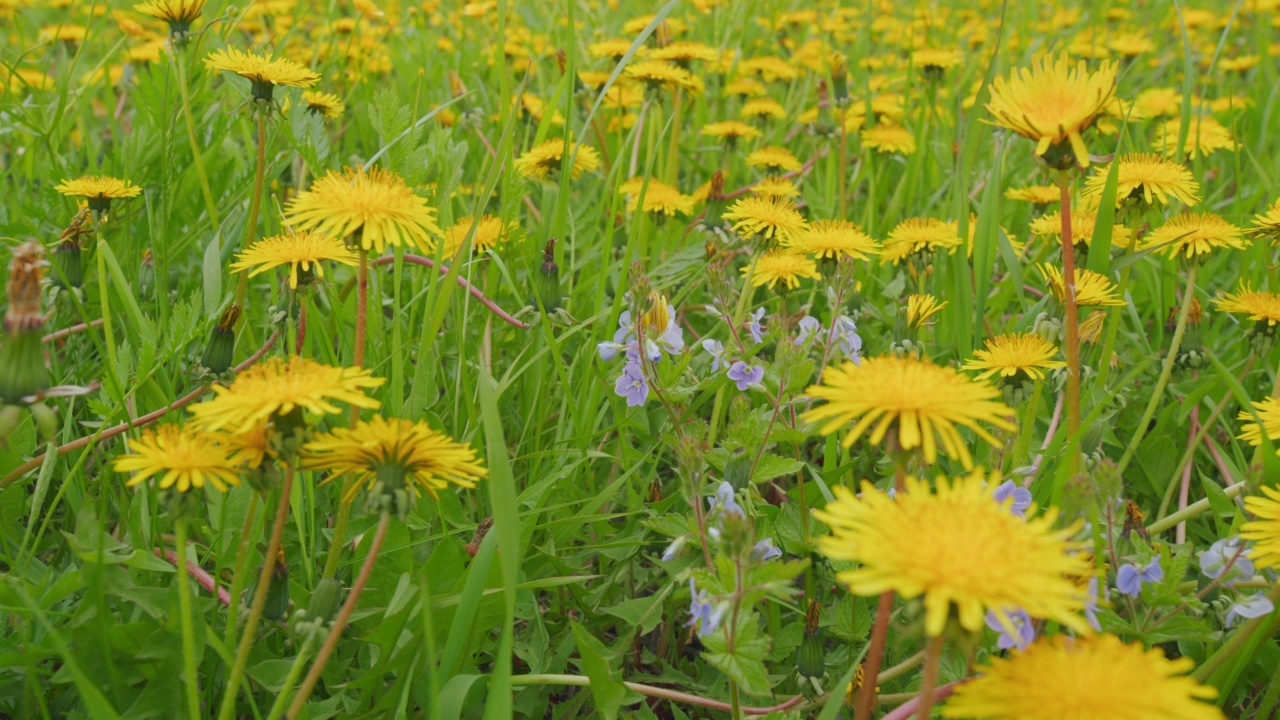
(697, 359)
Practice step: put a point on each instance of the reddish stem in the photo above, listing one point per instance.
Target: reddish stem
(64, 332)
(201, 575)
(879, 632)
(905, 710)
(444, 270)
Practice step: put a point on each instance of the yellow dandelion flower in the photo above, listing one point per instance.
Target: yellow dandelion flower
(744, 87)
(490, 233)
(761, 108)
(1267, 224)
(1241, 63)
(278, 387)
(376, 206)
(1156, 102)
(1053, 103)
(99, 190)
(834, 239)
(612, 49)
(776, 187)
(770, 68)
(924, 403)
(1064, 678)
(1035, 194)
(889, 138)
(1092, 289)
(1264, 529)
(1258, 305)
(683, 52)
(1205, 136)
(786, 267)
(659, 74)
(300, 251)
(936, 60)
(774, 219)
(1147, 176)
(263, 71)
(1084, 224)
(975, 556)
(180, 457)
(1013, 354)
(730, 131)
(920, 309)
(773, 159)
(543, 161)
(1130, 44)
(659, 197)
(918, 235)
(179, 14)
(1269, 411)
(427, 459)
(1195, 234)
(324, 104)
(1091, 328)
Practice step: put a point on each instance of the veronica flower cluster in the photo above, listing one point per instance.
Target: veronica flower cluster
(656, 332)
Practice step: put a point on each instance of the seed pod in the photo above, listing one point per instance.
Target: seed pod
(69, 264)
(547, 281)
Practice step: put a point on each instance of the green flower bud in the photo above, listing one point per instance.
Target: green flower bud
(221, 349)
(546, 283)
(737, 471)
(68, 264)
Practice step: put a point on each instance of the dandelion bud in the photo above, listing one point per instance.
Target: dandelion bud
(737, 470)
(482, 529)
(22, 370)
(68, 264)
(546, 283)
(839, 80)
(277, 604)
(562, 60)
(222, 342)
(1134, 520)
(1091, 439)
(811, 661)
(1047, 327)
(320, 609)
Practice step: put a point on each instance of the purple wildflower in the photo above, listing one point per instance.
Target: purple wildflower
(744, 375)
(808, 326)
(1255, 606)
(1130, 578)
(725, 500)
(1214, 561)
(850, 341)
(716, 349)
(1023, 631)
(1091, 605)
(764, 550)
(756, 329)
(1021, 497)
(702, 614)
(632, 385)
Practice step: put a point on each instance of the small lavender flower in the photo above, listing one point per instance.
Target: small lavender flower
(1021, 497)
(702, 614)
(808, 326)
(850, 341)
(756, 329)
(1024, 631)
(632, 385)
(1254, 606)
(1131, 578)
(744, 375)
(725, 500)
(1091, 606)
(1214, 561)
(716, 349)
(673, 550)
(764, 550)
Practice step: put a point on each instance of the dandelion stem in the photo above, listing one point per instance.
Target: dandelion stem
(189, 675)
(929, 682)
(259, 596)
(237, 574)
(104, 296)
(1165, 371)
(196, 156)
(255, 201)
(340, 622)
(884, 607)
(1190, 511)
(277, 708)
(1072, 344)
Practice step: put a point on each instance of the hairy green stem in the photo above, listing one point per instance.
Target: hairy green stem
(237, 573)
(1165, 372)
(198, 157)
(1190, 511)
(189, 674)
(255, 201)
(340, 622)
(277, 708)
(259, 596)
